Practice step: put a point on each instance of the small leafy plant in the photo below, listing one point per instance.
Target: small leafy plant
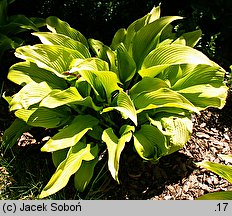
(224, 171)
(11, 26)
(141, 91)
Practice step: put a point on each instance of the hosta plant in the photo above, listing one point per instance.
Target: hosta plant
(141, 90)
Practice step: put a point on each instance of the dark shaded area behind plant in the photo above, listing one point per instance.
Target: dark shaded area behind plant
(100, 19)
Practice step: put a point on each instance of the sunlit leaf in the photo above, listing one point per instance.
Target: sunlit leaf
(30, 94)
(56, 25)
(204, 96)
(55, 58)
(125, 106)
(94, 64)
(147, 38)
(162, 98)
(49, 38)
(70, 135)
(133, 28)
(126, 64)
(104, 83)
(147, 84)
(154, 14)
(68, 167)
(44, 117)
(221, 195)
(119, 37)
(104, 52)
(165, 56)
(115, 147)
(58, 98)
(191, 38)
(203, 86)
(178, 129)
(222, 170)
(25, 72)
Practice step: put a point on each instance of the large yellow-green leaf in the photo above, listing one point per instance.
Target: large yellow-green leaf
(94, 64)
(147, 38)
(204, 86)
(25, 72)
(199, 74)
(104, 83)
(225, 171)
(126, 64)
(115, 147)
(133, 28)
(150, 143)
(154, 14)
(63, 40)
(104, 52)
(178, 129)
(56, 25)
(124, 105)
(147, 84)
(70, 135)
(11, 134)
(44, 117)
(206, 95)
(85, 173)
(58, 98)
(165, 56)
(118, 38)
(221, 195)
(30, 94)
(68, 167)
(54, 58)
(189, 38)
(163, 97)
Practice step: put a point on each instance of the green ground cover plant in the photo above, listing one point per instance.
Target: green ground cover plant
(12, 26)
(224, 171)
(12, 29)
(140, 91)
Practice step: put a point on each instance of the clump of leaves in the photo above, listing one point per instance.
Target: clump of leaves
(11, 26)
(140, 91)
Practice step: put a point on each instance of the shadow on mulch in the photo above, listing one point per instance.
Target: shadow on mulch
(142, 180)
